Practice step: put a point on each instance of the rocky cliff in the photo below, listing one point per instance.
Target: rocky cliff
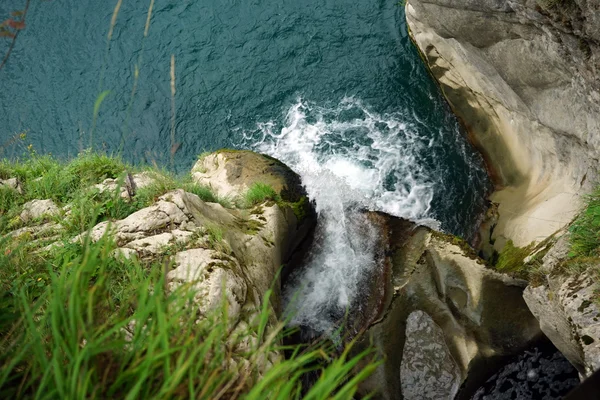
(446, 319)
(524, 77)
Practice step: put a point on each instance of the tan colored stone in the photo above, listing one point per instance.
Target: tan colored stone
(528, 99)
(213, 277)
(36, 209)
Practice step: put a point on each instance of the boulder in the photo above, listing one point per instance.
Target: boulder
(12, 183)
(230, 173)
(36, 209)
(445, 319)
(428, 370)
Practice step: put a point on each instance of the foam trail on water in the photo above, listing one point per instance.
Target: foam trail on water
(349, 159)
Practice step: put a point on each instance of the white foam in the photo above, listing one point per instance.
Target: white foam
(369, 161)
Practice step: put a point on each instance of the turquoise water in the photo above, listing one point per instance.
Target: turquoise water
(247, 74)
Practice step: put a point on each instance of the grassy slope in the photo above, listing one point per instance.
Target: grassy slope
(64, 312)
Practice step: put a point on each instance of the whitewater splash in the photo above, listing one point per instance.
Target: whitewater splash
(350, 159)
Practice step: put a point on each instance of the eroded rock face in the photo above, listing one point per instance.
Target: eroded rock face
(569, 315)
(523, 76)
(442, 307)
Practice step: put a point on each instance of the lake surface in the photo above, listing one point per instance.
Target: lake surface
(337, 81)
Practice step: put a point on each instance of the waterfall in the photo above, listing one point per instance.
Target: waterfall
(350, 159)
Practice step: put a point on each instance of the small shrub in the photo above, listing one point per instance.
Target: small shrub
(9, 198)
(93, 168)
(203, 192)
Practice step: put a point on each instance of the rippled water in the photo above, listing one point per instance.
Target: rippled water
(334, 88)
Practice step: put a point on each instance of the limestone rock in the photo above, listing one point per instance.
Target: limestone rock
(12, 183)
(213, 276)
(261, 240)
(40, 231)
(523, 77)
(230, 173)
(158, 243)
(569, 316)
(474, 314)
(427, 370)
(130, 183)
(36, 209)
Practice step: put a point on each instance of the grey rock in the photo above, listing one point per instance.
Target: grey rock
(471, 313)
(36, 209)
(427, 370)
(570, 317)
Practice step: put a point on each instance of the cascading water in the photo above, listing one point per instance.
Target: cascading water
(350, 159)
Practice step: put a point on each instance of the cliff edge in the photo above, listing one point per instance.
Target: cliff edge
(523, 76)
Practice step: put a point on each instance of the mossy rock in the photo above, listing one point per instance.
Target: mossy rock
(232, 173)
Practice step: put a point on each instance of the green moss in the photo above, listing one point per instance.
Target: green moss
(512, 258)
(301, 208)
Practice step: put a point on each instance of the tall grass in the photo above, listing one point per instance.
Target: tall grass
(585, 230)
(107, 328)
(259, 193)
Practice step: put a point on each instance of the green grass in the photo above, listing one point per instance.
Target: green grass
(584, 238)
(511, 261)
(512, 258)
(44, 177)
(259, 193)
(585, 230)
(87, 325)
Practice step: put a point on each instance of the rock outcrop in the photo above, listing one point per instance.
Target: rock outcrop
(128, 185)
(566, 306)
(446, 320)
(524, 78)
(230, 173)
(244, 247)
